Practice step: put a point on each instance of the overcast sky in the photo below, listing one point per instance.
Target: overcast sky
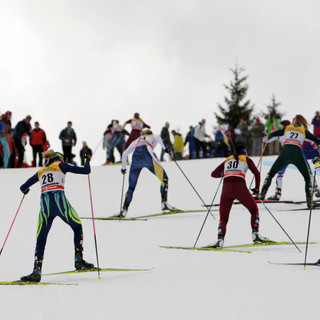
(96, 60)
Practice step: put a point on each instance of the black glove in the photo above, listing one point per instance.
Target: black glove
(167, 150)
(123, 171)
(263, 134)
(255, 191)
(25, 191)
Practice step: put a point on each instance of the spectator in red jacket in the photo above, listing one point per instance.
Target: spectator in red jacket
(37, 141)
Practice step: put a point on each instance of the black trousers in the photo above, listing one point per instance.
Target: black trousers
(67, 153)
(38, 149)
(20, 150)
(203, 146)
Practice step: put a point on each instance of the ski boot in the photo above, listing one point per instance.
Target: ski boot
(123, 212)
(219, 243)
(263, 193)
(276, 196)
(316, 191)
(258, 238)
(165, 205)
(79, 263)
(35, 276)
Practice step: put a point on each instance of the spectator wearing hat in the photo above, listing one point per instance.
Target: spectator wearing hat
(69, 140)
(189, 139)
(22, 128)
(38, 140)
(256, 133)
(178, 145)
(136, 127)
(85, 151)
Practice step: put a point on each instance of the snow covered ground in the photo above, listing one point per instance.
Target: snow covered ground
(184, 284)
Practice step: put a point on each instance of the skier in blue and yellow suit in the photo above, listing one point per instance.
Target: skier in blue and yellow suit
(53, 203)
(143, 157)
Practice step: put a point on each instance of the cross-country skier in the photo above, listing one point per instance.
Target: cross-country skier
(137, 125)
(281, 173)
(233, 170)
(294, 136)
(143, 157)
(53, 203)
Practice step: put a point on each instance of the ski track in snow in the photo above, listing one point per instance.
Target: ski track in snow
(184, 284)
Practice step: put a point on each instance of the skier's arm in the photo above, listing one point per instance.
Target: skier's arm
(159, 140)
(311, 137)
(272, 139)
(126, 153)
(218, 172)
(31, 181)
(276, 133)
(255, 171)
(129, 121)
(66, 167)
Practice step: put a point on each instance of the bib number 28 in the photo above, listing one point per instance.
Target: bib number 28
(47, 178)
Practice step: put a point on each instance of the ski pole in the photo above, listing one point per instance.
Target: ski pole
(264, 148)
(122, 192)
(280, 225)
(194, 189)
(207, 213)
(309, 222)
(94, 227)
(97, 146)
(14, 219)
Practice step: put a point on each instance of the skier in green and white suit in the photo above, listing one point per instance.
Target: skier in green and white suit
(294, 136)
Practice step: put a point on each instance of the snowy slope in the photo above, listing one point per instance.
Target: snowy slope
(184, 284)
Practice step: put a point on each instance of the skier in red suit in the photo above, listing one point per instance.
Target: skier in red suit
(233, 170)
(137, 125)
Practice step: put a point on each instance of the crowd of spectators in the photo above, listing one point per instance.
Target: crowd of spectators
(14, 139)
(196, 144)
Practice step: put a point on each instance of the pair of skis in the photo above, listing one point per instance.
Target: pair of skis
(19, 282)
(314, 264)
(235, 248)
(145, 217)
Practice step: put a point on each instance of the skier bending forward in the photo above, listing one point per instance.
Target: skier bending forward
(234, 169)
(53, 203)
(143, 157)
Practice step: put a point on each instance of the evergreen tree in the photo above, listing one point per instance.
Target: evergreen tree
(273, 111)
(236, 104)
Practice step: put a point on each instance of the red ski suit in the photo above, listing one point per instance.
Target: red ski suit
(235, 188)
